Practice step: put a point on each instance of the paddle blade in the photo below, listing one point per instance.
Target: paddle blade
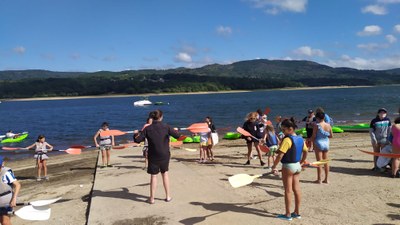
(112, 133)
(133, 144)
(243, 132)
(198, 126)
(190, 149)
(181, 138)
(199, 130)
(176, 144)
(267, 110)
(10, 148)
(34, 213)
(264, 148)
(74, 151)
(242, 179)
(119, 147)
(39, 203)
(79, 146)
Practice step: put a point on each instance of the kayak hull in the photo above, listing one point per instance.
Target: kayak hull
(14, 140)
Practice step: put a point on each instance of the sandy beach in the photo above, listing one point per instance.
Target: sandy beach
(202, 194)
(182, 93)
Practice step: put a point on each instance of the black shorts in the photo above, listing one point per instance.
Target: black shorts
(5, 210)
(155, 167)
(309, 132)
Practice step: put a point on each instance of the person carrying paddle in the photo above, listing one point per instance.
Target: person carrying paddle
(396, 147)
(251, 125)
(321, 133)
(379, 133)
(309, 120)
(292, 153)
(211, 140)
(9, 189)
(157, 135)
(41, 156)
(105, 145)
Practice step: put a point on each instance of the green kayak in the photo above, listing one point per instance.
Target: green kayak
(172, 139)
(188, 140)
(17, 139)
(362, 127)
(303, 131)
(196, 139)
(232, 135)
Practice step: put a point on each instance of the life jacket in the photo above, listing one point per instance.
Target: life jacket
(293, 155)
(272, 140)
(5, 189)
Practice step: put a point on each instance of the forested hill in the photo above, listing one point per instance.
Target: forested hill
(244, 75)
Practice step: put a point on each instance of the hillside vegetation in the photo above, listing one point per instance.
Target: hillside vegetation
(244, 75)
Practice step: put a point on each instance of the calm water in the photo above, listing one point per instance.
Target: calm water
(68, 122)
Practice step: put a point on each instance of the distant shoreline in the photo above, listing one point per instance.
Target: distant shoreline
(177, 93)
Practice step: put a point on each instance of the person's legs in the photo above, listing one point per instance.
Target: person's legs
(257, 146)
(326, 166)
(377, 149)
(44, 167)
(39, 168)
(395, 161)
(249, 149)
(318, 156)
(5, 220)
(287, 178)
(103, 156)
(165, 178)
(153, 185)
(297, 193)
(108, 155)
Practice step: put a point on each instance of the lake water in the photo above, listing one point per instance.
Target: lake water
(75, 121)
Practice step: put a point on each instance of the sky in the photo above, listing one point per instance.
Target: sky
(117, 35)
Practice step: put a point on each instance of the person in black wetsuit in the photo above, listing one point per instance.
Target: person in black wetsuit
(157, 135)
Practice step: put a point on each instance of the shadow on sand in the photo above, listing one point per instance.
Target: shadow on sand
(218, 208)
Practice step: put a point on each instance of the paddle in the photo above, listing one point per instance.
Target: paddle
(242, 179)
(197, 128)
(114, 132)
(73, 151)
(242, 131)
(39, 203)
(31, 212)
(267, 110)
(387, 155)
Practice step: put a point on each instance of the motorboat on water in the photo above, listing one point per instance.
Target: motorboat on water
(142, 102)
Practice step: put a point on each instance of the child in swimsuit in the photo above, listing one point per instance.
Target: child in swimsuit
(292, 153)
(322, 131)
(396, 147)
(272, 141)
(105, 145)
(41, 156)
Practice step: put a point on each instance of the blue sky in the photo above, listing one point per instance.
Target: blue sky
(93, 35)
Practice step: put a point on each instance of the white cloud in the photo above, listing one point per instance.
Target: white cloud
(396, 28)
(308, 51)
(224, 31)
(391, 39)
(389, 1)
(19, 50)
(370, 30)
(183, 57)
(374, 9)
(388, 62)
(275, 6)
(372, 46)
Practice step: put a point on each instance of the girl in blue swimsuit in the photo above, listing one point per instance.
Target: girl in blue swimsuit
(322, 131)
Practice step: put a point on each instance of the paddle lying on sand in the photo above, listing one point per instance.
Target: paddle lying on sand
(242, 179)
(387, 155)
(31, 212)
(73, 151)
(178, 144)
(242, 131)
(39, 203)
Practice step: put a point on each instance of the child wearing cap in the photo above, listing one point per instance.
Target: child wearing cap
(9, 189)
(379, 132)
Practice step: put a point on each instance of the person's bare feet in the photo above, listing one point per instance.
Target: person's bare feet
(325, 182)
(150, 201)
(318, 182)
